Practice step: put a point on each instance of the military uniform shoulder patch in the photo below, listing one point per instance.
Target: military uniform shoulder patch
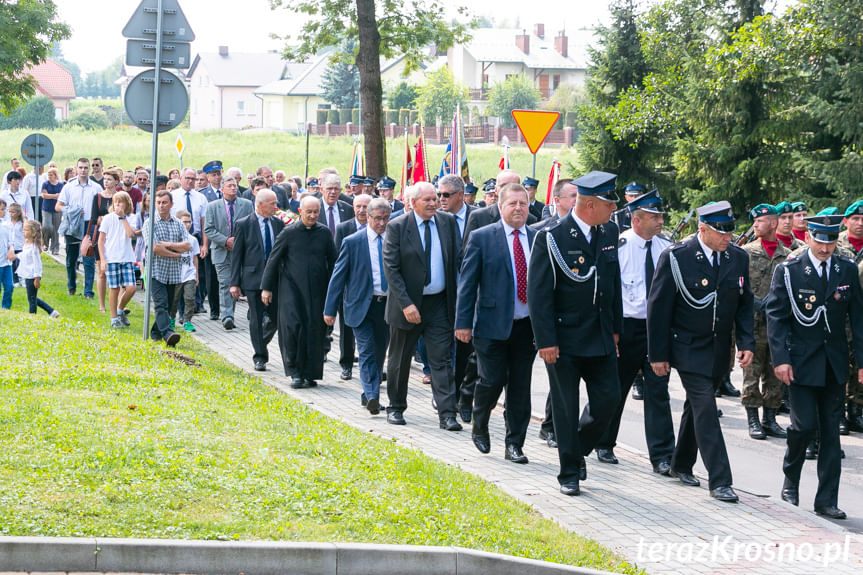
(621, 242)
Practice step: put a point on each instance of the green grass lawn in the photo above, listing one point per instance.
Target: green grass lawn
(105, 435)
(250, 149)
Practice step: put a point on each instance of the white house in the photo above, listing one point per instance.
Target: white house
(222, 85)
(290, 102)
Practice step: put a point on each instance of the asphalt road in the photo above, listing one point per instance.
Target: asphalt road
(756, 465)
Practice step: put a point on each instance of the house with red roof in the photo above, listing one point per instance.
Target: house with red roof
(55, 82)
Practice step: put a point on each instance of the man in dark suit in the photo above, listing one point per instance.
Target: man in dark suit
(536, 206)
(700, 291)
(333, 210)
(282, 195)
(346, 335)
(492, 310)
(811, 298)
(563, 198)
(421, 261)
(359, 287)
(576, 312)
(253, 241)
(491, 213)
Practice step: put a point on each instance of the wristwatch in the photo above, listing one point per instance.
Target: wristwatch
(121, 217)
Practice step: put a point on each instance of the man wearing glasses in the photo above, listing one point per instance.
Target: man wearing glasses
(700, 292)
(97, 176)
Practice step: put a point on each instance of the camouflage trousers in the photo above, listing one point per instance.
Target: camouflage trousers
(761, 388)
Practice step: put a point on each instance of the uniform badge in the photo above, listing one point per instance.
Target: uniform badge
(581, 259)
(704, 282)
(807, 270)
(808, 306)
(812, 298)
(836, 268)
(837, 296)
(699, 256)
(573, 233)
(575, 270)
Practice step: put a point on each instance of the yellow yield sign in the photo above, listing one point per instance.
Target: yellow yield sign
(534, 126)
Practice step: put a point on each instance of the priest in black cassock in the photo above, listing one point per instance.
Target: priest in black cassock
(298, 272)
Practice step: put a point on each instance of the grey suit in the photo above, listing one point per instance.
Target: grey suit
(217, 230)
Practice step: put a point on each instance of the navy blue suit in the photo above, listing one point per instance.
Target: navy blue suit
(351, 289)
(503, 344)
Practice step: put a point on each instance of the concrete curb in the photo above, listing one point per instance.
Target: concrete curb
(48, 554)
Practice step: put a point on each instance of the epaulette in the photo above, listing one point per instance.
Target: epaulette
(664, 236)
(621, 242)
(843, 257)
(551, 225)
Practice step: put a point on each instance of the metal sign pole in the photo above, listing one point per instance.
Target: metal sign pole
(156, 83)
(37, 202)
(533, 168)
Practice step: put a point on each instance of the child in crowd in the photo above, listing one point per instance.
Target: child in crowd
(30, 269)
(184, 296)
(15, 223)
(117, 256)
(7, 256)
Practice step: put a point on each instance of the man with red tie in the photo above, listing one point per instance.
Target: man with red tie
(492, 309)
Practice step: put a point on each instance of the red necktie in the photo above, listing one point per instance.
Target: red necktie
(520, 268)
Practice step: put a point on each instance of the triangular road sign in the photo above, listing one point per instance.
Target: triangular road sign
(175, 26)
(534, 126)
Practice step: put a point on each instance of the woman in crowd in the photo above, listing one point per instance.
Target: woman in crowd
(50, 215)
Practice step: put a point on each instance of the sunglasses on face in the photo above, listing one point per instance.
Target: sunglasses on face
(446, 194)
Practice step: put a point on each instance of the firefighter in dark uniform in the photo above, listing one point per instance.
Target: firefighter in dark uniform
(534, 205)
(810, 299)
(700, 291)
(576, 310)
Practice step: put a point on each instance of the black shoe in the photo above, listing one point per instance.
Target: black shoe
(363, 401)
(396, 418)
(638, 388)
(513, 453)
(755, 431)
(214, 316)
(450, 424)
(310, 383)
(855, 417)
(725, 388)
(384, 374)
(606, 456)
(548, 437)
(718, 412)
(790, 492)
(663, 468)
(482, 442)
(260, 366)
(570, 488)
(347, 374)
(172, 339)
(843, 426)
(434, 404)
(298, 383)
(769, 425)
(582, 470)
(228, 323)
(725, 494)
(374, 406)
(686, 478)
(465, 414)
(71, 291)
(783, 408)
(832, 512)
(812, 450)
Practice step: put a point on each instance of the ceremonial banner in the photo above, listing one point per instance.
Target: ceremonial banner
(553, 177)
(420, 172)
(357, 163)
(407, 169)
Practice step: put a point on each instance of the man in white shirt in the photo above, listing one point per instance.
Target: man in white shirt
(636, 245)
(79, 193)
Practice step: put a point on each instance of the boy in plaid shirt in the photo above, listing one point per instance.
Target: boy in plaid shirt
(184, 296)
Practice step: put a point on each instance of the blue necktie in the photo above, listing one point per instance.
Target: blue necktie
(384, 284)
(268, 240)
(189, 208)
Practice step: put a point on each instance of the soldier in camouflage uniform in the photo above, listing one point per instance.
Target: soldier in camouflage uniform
(851, 243)
(786, 222)
(765, 254)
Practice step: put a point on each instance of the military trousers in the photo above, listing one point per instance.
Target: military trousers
(761, 387)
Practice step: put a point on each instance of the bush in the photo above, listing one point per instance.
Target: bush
(333, 116)
(392, 116)
(36, 114)
(89, 120)
(402, 96)
(414, 117)
(322, 116)
(404, 117)
(344, 115)
(355, 116)
(515, 93)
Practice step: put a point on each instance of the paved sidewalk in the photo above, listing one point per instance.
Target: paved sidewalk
(651, 520)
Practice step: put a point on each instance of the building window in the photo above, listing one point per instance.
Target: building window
(196, 107)
(241, 107)
(212, 107)
(555, 81)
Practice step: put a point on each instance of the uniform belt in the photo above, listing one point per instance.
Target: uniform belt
(379, 298)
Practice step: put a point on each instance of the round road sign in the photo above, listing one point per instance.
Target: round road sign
(173, 101)
(37, 149)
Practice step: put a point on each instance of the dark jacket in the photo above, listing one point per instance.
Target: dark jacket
(247, 257)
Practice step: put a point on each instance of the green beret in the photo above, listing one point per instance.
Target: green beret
(798, 207)
(784, 208)
(762, 210)
(855, 209)
(830, 211)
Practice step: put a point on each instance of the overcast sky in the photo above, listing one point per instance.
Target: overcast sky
(246, 26)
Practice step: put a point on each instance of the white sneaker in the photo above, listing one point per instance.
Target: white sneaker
(55, 314)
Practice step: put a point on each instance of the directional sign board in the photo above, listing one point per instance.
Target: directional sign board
(534, 126)
(173, 101)
(37, 149)
(175, 27)
(174, 54)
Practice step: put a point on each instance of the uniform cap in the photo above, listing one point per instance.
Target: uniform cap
(798, 207)
(633, 188)
(530, 182)
(784, 208)
(762, 210)
(215, 165)
(367, 181)
(313, 183)
(855, 209)
(469, 188)
(824, 229)
(828, 211)
(489, 184)
(717, 215)
(386, 183)
(356, 180)
(649, 202)
(597, 184)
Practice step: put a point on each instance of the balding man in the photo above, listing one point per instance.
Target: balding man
(254, 237)
(298, 272)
